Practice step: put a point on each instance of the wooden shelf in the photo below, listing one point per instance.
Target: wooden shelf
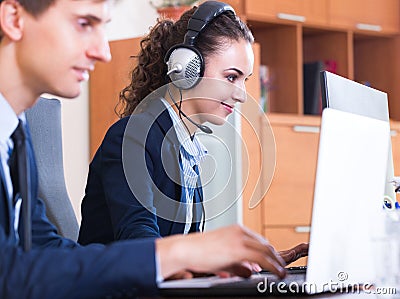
(329, 31)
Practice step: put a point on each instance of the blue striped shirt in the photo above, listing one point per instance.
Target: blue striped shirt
(191, 151)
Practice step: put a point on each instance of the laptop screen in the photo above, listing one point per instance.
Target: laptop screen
(349, 185)
(346, 95)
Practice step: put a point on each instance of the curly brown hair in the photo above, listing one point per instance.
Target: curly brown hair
(149, 74)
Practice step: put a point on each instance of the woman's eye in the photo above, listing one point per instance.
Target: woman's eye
(231, 78)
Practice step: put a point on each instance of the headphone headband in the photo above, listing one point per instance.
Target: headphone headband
(203, 15)
(185, 62)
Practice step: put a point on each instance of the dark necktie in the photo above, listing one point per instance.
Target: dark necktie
(20, 177)
(196, 213)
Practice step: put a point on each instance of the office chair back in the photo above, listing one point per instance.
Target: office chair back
(44, 120)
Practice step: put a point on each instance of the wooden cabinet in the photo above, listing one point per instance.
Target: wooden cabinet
(362, 38)
(377, 61)
(329, 32)
(358, 15)
(289, 198)
(306, 11)
(365, 15)
(287, 206)
(238, 6)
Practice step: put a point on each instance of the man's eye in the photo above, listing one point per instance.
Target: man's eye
(84, 23)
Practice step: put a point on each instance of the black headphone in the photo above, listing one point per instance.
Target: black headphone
(185, 62)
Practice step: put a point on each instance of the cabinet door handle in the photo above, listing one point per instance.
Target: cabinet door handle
(302, 229)
(306, 129)
(368, 27)
(290, 17)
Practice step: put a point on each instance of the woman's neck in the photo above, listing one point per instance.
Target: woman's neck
(177, 105)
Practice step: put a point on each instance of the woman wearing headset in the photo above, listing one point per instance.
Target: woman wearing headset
(144, 179)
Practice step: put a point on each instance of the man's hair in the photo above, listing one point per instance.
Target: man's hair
(34, 7)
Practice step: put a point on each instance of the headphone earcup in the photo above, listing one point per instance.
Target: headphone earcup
(185, 66)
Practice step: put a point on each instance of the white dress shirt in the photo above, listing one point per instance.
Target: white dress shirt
(8, 123)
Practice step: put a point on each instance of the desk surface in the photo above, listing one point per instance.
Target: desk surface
(265, 285)
(322, 296)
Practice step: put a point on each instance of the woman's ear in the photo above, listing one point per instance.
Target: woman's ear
(11, 21)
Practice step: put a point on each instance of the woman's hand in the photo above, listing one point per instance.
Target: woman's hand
(293, 254)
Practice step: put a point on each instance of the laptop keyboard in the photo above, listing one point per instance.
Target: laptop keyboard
(259, 284)
(291, 270)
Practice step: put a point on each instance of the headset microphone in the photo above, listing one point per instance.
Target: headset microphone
(203, 128)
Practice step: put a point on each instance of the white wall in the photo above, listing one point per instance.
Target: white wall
(130, 19)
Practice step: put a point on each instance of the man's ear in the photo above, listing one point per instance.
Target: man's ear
(11, 21)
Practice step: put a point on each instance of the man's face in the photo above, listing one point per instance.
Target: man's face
(59, 48)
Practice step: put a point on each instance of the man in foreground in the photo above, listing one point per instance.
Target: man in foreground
(50, 46)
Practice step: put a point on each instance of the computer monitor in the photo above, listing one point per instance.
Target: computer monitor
(346, 95)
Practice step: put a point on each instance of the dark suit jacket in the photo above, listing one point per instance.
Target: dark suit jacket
(56, 267)
(134, 187)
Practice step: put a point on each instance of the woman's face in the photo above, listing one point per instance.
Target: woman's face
(223, 84)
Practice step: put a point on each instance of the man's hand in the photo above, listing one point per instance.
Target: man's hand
(228, 249)
(181, 275)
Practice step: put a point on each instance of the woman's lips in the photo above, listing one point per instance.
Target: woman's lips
(227, 107)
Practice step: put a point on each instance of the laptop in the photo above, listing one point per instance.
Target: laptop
(350, 181)
(346, 95)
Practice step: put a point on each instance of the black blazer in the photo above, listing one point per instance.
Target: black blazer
(134, 187)
(56, 267)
